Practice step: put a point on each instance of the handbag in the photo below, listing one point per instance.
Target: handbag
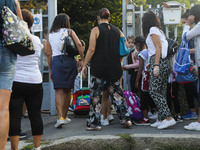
(67, 45)
(123, 50)
(16, 35)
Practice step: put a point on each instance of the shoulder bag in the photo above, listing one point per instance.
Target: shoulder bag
(68, 47)
(16, 35)
(123, 50)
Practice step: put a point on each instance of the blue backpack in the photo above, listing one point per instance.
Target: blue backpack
(184, 67)
(182, 63)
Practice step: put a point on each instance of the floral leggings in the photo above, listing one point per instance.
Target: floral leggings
(116, 93)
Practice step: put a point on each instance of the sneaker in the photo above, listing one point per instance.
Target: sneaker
(190, 115)
(104, 122)
(167, 123)
(156, 124)
(67, 120)
(193, 126)
(178, 118)
(141, 122)
(93, 127)
(110, 118)
(150, 114)
(38, 148)
(22, 135)
(60, 122)
(154, 116)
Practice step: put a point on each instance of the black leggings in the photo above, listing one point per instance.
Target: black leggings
(174, 99)
(32, 95)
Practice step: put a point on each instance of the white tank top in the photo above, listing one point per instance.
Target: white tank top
(54, 40)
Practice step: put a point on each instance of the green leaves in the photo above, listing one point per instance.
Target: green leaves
(83, 14)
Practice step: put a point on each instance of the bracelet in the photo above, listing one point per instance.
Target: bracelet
(156, 65)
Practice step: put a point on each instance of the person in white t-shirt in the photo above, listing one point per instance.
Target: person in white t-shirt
(159, 68)
(194, 33)
(27, 86)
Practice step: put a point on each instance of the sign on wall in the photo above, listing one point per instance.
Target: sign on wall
(37, 24)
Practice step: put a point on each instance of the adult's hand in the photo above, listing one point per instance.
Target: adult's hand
(80, 65)
(84, 71)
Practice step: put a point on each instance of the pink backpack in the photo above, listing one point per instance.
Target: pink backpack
(133, 105)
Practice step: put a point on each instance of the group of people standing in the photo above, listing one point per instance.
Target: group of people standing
(22, 76)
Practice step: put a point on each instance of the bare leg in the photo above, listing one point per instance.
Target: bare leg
(14, 140)
(4, 116)
(108, 107)
(36, 140)
(24, 109)
(193, 110)
(145, 113)
(59, 102)
(66, 101)
(105, 104)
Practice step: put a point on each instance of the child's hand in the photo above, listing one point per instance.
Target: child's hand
(124, 68)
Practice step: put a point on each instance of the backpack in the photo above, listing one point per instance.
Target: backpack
(172, 47)
(189, 76)
(169, 48)
(184, 67)
(133, 105)
(81, 101)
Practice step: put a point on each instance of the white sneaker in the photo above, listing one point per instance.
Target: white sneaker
(60, 122)
(150, 114)
(110, 118)
(104, 122)
(67, 120)
(167, 123)
(38, 148)
(154, 115)
(193, 126)
(156, 124)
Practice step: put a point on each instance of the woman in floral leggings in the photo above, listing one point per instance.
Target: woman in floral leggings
(105, 67)
(116, 93)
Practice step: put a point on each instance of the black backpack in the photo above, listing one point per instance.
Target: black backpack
(172, 47)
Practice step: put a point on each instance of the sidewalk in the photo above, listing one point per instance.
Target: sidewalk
(76, 130)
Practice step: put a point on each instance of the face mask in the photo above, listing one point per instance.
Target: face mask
(131, 49)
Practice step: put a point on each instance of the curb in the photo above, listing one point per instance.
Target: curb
(125, 141)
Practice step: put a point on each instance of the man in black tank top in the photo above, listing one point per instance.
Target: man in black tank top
(105, 63)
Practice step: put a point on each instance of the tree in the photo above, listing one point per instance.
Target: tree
(83, 14)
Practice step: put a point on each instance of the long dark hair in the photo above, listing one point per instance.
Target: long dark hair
(60, 21)
(150, 19)
(195, 11)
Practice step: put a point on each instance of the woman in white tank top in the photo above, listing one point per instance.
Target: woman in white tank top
(63, 71)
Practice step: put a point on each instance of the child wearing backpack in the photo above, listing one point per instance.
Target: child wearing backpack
(132, 63)
(172, 93)
(143, 72)
(190, 88)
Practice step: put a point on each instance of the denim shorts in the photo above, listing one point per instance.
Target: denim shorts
(8, 61)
